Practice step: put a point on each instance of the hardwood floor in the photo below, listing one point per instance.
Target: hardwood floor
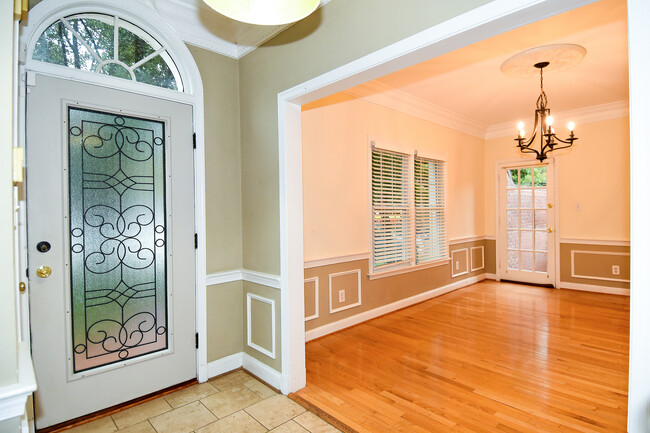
(492, 357)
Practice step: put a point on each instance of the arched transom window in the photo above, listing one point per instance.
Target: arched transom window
(108, 45)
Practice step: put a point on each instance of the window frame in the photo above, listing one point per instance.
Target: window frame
(410, 152)
(118, 21)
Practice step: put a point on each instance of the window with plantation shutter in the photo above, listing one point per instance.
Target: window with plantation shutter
(430, 234)
(408, 210)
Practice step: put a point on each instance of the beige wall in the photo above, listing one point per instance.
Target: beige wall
(331, 37)
(335, 172)
(593, 182)
(220, 77)
(592, 264)
(380, 291)
(8, 336)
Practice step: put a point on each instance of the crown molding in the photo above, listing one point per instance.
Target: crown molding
(398, 100)
(594, 113)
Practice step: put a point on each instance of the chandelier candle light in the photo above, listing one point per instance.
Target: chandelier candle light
(549, 141)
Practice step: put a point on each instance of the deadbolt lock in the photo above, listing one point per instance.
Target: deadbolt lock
(550, 230)
(43, 246)
(43, 271)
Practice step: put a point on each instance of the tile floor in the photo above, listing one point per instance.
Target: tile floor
(233, 403)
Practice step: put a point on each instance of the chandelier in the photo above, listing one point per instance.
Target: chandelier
(549, 141)
(264, 12)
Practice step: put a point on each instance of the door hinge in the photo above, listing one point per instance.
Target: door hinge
(197, 339)
(27, 273)
(196, 241)
(194, 140)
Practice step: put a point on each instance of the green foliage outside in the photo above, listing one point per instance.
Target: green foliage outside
(525, 177)
(59, 45)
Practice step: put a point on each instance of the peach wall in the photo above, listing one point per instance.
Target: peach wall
(335, 172)
(593, 181)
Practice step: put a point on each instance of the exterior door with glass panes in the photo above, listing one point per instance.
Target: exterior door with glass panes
(526, 224)
(110, 203)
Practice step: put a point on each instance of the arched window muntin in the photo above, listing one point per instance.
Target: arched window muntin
(148, 61)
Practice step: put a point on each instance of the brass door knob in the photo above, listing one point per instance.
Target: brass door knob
(550, 230)
(43, 271)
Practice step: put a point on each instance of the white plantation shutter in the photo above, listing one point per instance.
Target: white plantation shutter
(391, 209)
(430, 230)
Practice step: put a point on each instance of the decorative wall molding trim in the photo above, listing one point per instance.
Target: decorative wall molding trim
(224, 365)
(598, 253)
(345, 307)
(371, 314)
(334, 260)
(471, 258)
(262, 371)
(243, 359)
(453, 263)
(398, 100)
(595, 242)
(594, 288)
(315, 315)
(249, 341)
(268, 280)
(465, 240)
(224, 277)
(13, 398)
(595, 113)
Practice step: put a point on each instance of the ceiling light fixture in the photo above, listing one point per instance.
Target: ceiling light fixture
(264, 12)
(549, 141)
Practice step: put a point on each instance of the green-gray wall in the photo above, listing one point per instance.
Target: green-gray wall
(336, 34)
(220, 76)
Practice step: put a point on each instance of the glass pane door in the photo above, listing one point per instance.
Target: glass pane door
(525, 229)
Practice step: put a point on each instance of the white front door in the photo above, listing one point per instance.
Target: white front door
(526, 242)
(111, 255)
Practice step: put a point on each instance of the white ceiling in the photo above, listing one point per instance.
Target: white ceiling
(200, 25)
(467, 89)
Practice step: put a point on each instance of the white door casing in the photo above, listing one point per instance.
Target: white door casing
(144, 16)
(526, 215)
(63, 394)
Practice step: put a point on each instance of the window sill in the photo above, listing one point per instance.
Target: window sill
(407, 269)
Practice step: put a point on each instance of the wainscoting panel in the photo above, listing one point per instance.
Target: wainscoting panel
(260, 317)
(311, 298)
(365, 296)
(591, 264)
(347, 284)
(477, 258)
(459, 262)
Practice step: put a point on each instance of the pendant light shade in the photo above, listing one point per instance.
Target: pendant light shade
(264, 12)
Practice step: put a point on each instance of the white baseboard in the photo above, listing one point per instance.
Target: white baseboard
(242, 359)
(371, 314)
(262, 371)
(491, 276)
(224, 365)
(595, 288)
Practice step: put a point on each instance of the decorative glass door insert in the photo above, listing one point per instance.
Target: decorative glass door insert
(117, 237)
(527, 219)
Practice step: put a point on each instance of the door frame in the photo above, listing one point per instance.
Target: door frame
(502, 164)
(491, 19)
(48, 12)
